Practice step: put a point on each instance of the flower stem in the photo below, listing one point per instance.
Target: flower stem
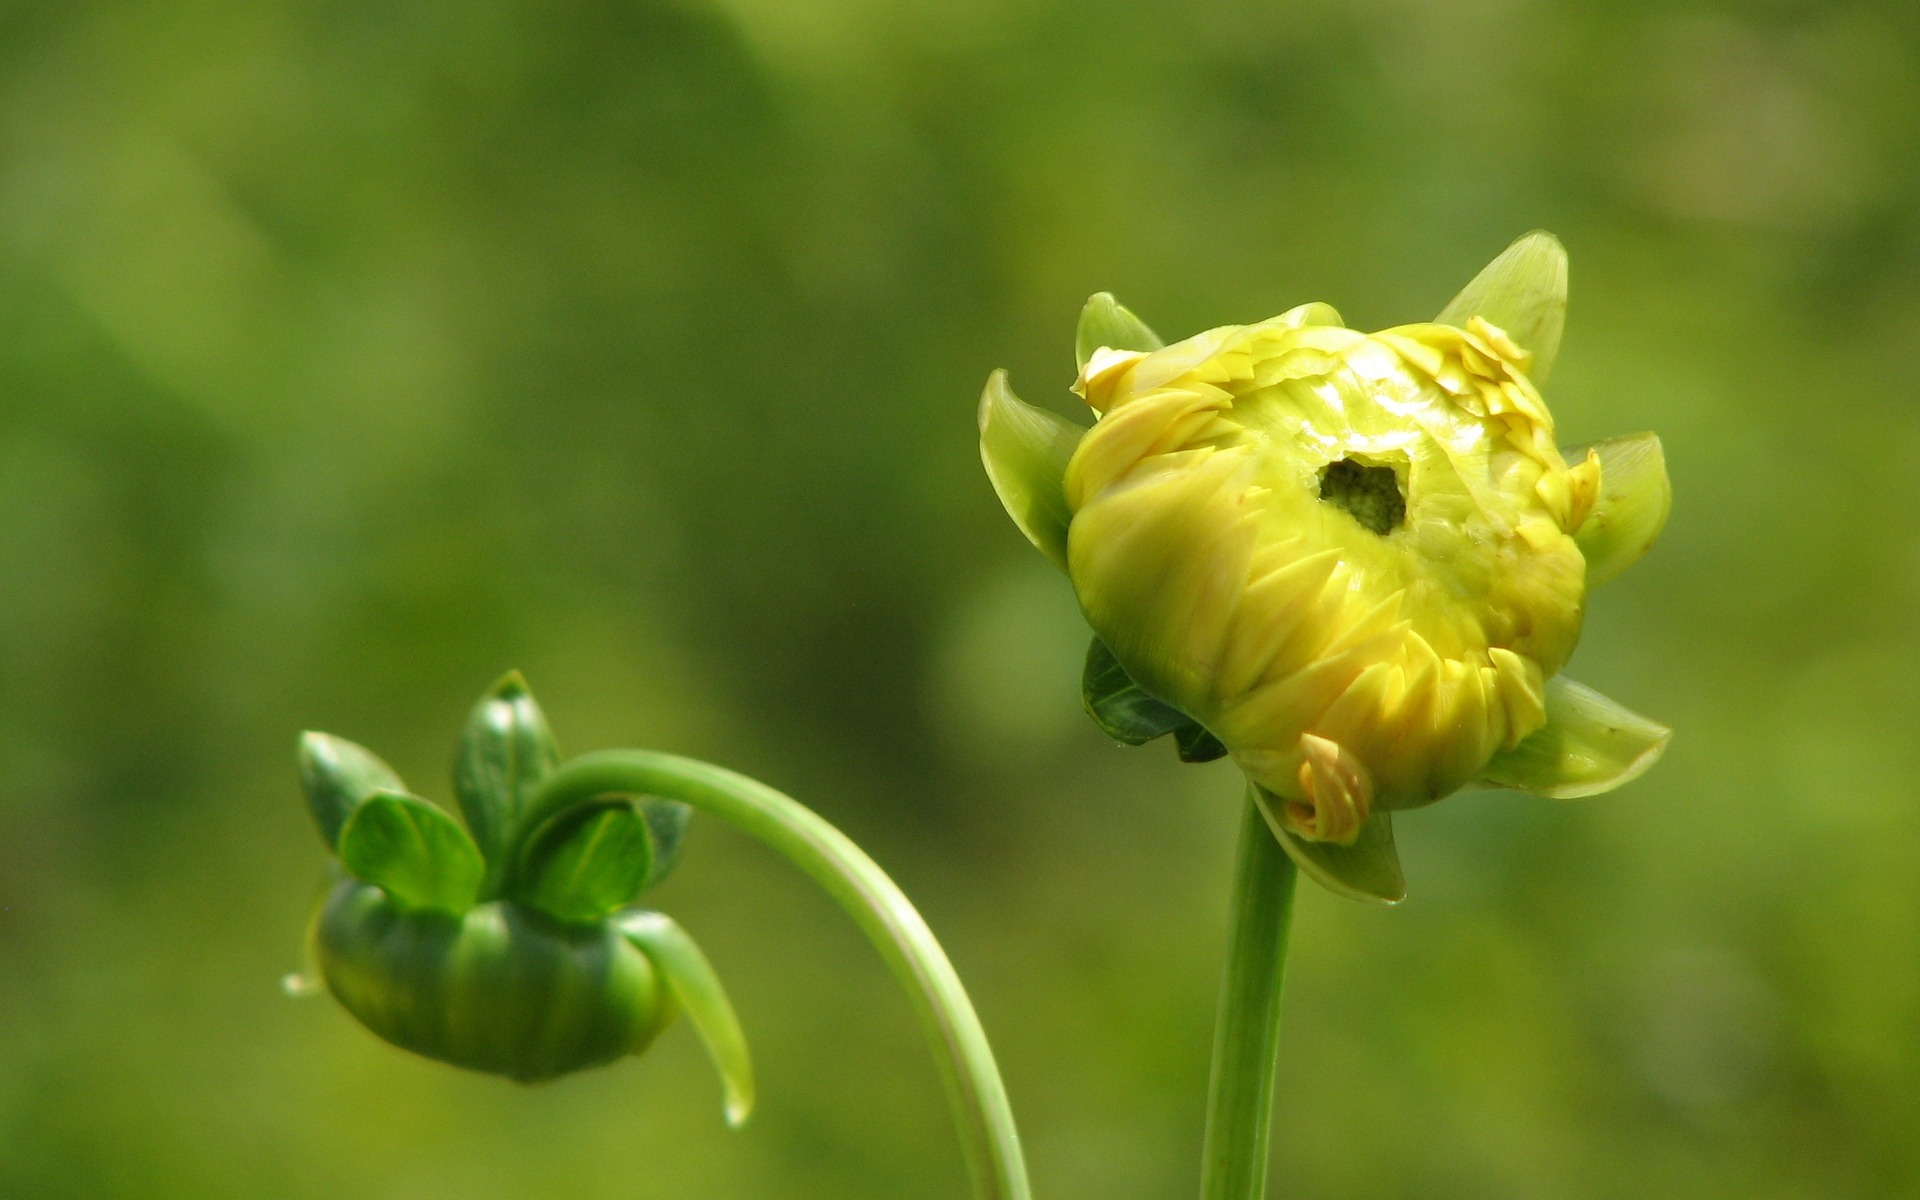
(1246, 1035)
(981, 1111)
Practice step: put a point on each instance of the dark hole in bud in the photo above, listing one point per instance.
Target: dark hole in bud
(1371, 494)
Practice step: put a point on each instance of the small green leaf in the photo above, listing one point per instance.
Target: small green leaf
(667, 822)
(338, 776)
(414, 852)
(1197, 745)
(505, 752)
(698, 989)
(1025, 450)
(1368, 870)
(1589, 745)
(1107, 322)
(1631, 510)
(1119, 706)
(586, 862)
(1524, 291)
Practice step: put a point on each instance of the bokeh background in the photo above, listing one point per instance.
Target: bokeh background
(352, 353)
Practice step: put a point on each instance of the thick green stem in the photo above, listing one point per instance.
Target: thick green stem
(829, 857)
(1246, 1034)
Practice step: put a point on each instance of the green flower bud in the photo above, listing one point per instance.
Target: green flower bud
(514, 950)
(500, 988)
(1355, 562)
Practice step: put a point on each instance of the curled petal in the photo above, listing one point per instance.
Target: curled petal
(1025, 450)
(1524, 293)
(1588, 745)
(1631, 508)
(1336, 793)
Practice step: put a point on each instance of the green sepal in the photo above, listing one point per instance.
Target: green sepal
(1197, 745)
(1107, 322)
(1524, 291)
(667, 822)
(1312, 313)
(1631, 510)
(1025, 450)
(506, 750)
(338, 776)
(412, 851)
(587, 862)
(1119, 706)
(696, 986)
(1588, 745)
(1368, 870)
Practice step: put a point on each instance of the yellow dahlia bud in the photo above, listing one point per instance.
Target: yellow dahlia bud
(1357, 561)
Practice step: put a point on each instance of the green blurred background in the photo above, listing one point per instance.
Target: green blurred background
(351, 353)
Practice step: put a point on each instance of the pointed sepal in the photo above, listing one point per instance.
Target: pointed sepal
(697, 987)
(506, 750)
(1120, 707)
(587, 862)
(667, 822)
(1524, 291)
(1588, 745)
(1025, 450)
(1109, 323)
(338, 776)
(1302, 315)
(1368, 870)
(1197, 745)
(414, 852)
(1631, 510)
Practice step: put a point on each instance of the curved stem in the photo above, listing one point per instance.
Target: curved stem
(876, 904)
(1246, 1035)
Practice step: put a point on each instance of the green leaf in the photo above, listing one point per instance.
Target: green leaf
(1025, 450)
(1107, 322)
(505, 752)
(1631, 510)
(586, 862)
(1368, 870)
(697, 988)
(1119, 706)
(667, 822)
(1197, 745)
(338, 776)
(1589, 745)
(1524, 291)
(414, 852)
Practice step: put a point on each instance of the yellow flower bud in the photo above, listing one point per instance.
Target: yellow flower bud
(1358, 560)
